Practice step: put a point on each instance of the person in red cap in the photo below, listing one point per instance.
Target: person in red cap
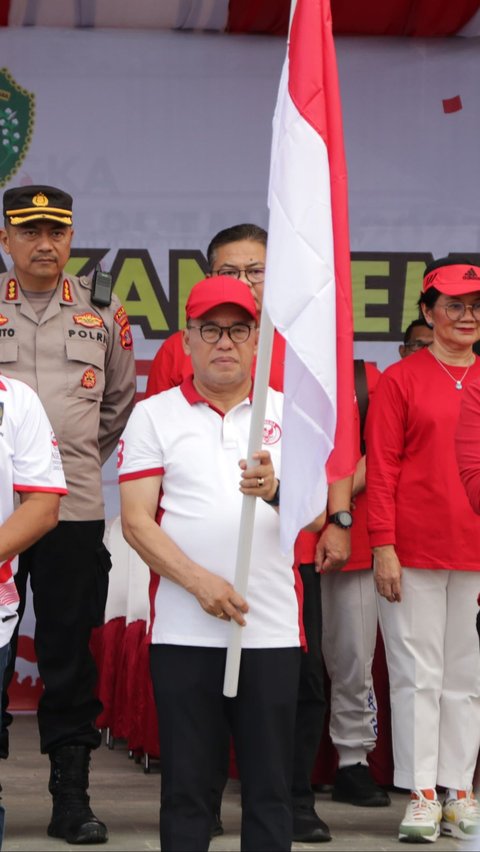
(182, 474)
(240, 251)
(424, 536)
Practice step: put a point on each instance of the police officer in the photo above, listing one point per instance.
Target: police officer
(78, 357)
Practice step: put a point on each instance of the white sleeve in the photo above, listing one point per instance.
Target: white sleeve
(37, 464)
(139, 451)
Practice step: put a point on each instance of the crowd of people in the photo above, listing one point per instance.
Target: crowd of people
(397, 545)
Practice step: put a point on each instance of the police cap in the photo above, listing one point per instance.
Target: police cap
(27, 203)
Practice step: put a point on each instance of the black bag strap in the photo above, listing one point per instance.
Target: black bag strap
(361, 391)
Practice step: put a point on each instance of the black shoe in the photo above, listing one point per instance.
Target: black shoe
(355, 786)
(308, 827)
(72, 817)
(216, 826)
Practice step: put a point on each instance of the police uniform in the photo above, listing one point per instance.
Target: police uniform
(78, 357)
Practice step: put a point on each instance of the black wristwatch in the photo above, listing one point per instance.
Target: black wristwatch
(344, 519)
(275, 501)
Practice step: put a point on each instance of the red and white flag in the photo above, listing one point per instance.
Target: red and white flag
(308, 278)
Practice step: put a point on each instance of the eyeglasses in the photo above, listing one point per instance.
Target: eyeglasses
(254, 274)
(210, 332)
(417, 344)
(457, 310)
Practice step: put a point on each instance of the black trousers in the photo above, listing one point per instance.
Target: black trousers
(311, 705)
(68, 570)
(188, 687)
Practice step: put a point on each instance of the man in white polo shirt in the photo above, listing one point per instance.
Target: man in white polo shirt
(183, 474)
(30, 466)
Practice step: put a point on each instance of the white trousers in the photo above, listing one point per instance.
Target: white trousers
(349, 630)
(433, 661)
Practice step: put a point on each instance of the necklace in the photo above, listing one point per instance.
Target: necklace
(458, 382)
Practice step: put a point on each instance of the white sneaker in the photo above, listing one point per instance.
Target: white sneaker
(461, 818)
(421, 822)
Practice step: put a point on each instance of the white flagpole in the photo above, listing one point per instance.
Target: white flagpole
(247, 517)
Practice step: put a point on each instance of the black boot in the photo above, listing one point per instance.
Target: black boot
(72, 817)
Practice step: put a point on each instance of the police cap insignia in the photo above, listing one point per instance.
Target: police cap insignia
(40, 200)
(27, 203)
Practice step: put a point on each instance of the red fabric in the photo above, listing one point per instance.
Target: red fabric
(4, 12)
(172, 365)
(143, 734)
(416, 499)
(252, 16)
(105, 645)
(133, 635)
(313, 88)
(467, 444)
(371, 17)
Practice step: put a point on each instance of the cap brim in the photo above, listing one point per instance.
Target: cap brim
(460, 289)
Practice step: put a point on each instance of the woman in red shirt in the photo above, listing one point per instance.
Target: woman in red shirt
(424, 536)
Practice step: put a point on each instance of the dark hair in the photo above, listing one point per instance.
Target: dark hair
(234, 234)
(415, 324)
(430, 297)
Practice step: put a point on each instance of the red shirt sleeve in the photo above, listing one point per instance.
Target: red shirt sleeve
(467, 443)
(170, 366)
(384, 437)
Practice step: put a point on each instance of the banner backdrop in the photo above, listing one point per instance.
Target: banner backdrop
(163, 138)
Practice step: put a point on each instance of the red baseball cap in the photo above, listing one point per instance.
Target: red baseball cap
(219, 290)
(453, 279)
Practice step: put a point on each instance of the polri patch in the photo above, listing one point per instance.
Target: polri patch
(121, 319)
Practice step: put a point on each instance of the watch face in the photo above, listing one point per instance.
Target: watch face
(344, 519)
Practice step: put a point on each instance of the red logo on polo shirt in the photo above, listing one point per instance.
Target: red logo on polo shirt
(271, 432)
(3, 320)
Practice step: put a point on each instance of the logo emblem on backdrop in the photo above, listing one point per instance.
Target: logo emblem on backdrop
(17, 111)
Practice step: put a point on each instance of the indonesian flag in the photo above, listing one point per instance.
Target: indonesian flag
(308, 279)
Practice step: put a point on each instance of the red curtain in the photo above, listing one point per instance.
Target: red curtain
(371, 17)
